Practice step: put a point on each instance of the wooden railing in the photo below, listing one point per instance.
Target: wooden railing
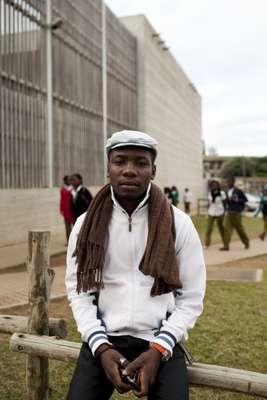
(32, 336)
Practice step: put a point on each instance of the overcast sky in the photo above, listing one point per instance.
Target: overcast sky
(222, 46)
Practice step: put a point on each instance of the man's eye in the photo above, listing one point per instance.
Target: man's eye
(118, 162)
(142, 163)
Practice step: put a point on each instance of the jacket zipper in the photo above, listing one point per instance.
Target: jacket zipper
(130, 223)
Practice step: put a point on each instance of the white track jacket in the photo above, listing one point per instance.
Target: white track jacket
(124, 306)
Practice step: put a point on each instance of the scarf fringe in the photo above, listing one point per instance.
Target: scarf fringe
(159, 259)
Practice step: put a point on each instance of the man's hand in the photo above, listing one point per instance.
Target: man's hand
(146, 368)
(110, 361)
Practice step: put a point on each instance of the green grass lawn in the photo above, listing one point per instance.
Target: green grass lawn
(231, 332)
(253, 227)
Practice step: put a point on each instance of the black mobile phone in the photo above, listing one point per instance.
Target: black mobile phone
(131, 381)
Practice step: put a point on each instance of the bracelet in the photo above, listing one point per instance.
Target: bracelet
(157, 346)
(165, 354)
(109, 347)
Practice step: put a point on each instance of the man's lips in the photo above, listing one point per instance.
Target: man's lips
(135, 184)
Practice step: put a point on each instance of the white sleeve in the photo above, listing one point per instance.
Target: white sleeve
(84, 307)
(223, 195)
(189, 299)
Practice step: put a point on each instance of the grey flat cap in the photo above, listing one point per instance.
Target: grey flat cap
(131, 138)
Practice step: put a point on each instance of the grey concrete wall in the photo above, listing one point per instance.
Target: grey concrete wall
(24, 209)
(169, 108)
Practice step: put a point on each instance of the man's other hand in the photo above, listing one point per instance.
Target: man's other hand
(146, 367)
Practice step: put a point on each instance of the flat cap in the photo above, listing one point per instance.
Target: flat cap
(131, 138)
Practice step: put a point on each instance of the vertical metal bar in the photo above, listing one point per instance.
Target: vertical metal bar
(2, 95)
(17, 94)
(49, 94)
(37, 133)
(41, 98)
(29, 97)
(9, 102)
(104, 88)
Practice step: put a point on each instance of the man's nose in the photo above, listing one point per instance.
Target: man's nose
(129, 169)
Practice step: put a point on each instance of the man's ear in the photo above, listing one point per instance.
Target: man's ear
(154, 169)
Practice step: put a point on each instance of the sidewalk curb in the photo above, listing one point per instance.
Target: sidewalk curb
(15, 305)
(23, 265)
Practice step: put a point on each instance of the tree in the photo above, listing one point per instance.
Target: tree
(238, 166)
(261, 166)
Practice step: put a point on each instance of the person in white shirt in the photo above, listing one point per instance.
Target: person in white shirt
(187, 200)
(216, 210)
(135, 280)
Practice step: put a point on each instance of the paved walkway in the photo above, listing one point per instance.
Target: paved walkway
(14, 255)
(214, 256)
(13, 285)
(14, 290)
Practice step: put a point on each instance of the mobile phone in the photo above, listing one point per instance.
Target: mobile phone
(131, 382)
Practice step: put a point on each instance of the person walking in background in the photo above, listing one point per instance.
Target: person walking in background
(81, 197)
(263, 209)
(174, 196)
(187, 201)
(65, 205)
(235, 204)
(167, 193)
(216, 210)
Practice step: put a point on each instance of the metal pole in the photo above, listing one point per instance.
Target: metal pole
(49, 83)
(244, 172)
(104, 87)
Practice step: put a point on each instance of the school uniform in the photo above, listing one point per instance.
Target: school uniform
(81, 199)
(236, 201)
(215, 214)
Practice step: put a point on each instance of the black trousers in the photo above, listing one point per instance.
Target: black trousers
(89, 381)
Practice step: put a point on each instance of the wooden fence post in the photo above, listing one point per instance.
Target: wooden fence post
(40, 279)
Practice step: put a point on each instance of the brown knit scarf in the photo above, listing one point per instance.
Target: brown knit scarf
(159, 259)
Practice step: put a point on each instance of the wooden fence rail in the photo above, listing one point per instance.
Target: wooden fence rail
(40, 348)
(17, 323)
(199, 374)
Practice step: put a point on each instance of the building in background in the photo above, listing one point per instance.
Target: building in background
(169, 108)
(212, 165)
(146, 90)
(77, 90)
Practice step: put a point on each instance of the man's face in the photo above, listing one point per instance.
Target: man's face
(214, 186)
(74, 181)
(130, 171)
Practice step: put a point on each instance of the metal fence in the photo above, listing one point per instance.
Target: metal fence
(77, 89)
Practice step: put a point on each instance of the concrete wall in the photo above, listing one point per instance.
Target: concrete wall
(169, 108)
(25, 209)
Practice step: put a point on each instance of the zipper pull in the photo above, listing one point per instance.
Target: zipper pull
(130, 224)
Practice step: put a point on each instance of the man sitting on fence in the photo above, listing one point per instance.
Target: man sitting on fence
(135, 280)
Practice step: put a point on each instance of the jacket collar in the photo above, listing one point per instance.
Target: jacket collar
(140, 205)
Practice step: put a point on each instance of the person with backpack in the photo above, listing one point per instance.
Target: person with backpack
(174, 196)
(235, 204)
